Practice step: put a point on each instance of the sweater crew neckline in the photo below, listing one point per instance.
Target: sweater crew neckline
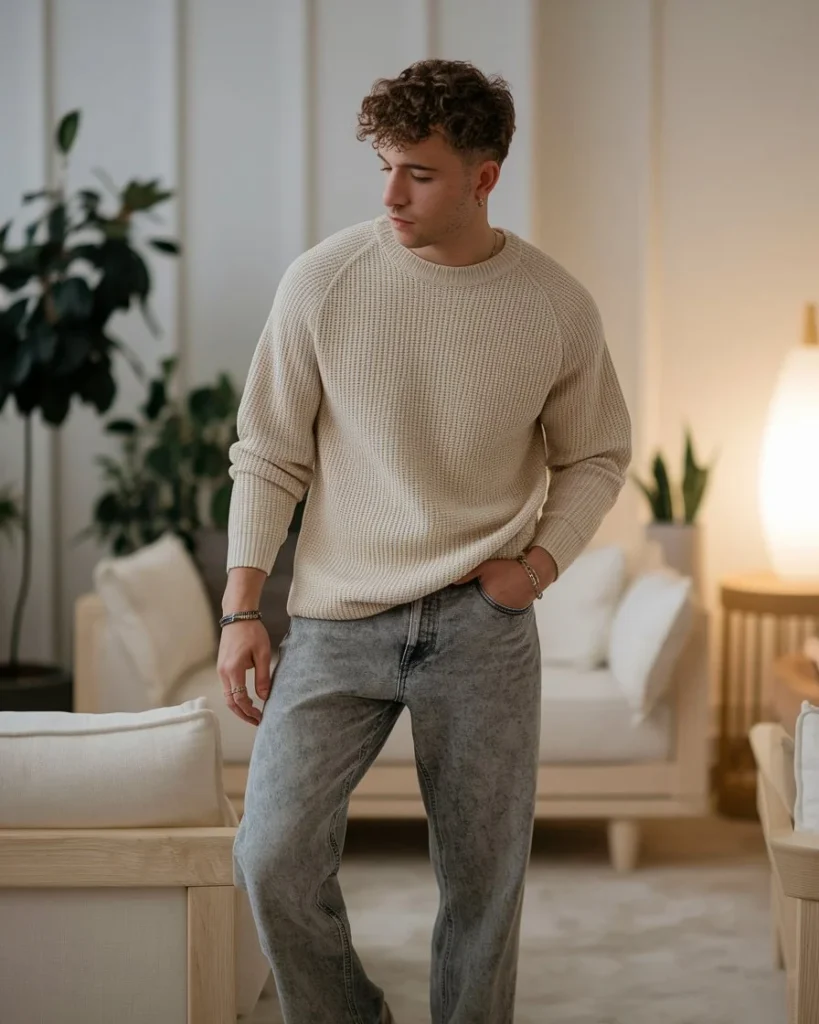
(437, 273)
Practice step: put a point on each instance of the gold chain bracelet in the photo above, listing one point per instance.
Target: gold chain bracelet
(533, 576)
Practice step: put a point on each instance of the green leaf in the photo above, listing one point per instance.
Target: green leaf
(3, 234)
(168, 367)
(43, 193)
(114, 230)
(31, 231)
(50, 257)
(89, 199)
(75, 348)
(91, 253)
(22, 365)
(57, 222)
(166, 245)
(664, 502)
(54, 402)
(220, 505)
(149, 318)
(162, 462)
(108, 509)
(140, 276)
(73, 299)
(201, 405)
(14, 278)
(121, 427)
(122, 545)
(97, 387)
(142, 195)
(209, 460)
(695, 480)
(67, 131)
(157, 397)
(44, 341)
(172, 431)
(13, 317)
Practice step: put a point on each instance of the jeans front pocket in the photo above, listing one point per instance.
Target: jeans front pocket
(500, 607)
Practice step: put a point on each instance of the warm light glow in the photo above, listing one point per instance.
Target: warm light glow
(789, 468)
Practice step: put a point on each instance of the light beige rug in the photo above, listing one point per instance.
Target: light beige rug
(684, 940)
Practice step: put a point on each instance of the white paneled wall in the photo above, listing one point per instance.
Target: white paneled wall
(249, 111)
(24, 165)
(593, 178)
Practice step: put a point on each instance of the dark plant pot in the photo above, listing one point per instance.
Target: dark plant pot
(30, 687)
(211, 556)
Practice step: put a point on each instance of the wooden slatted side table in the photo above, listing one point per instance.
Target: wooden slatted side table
(763, 618)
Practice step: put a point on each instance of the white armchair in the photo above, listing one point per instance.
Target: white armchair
(117, 896)
(788, 802)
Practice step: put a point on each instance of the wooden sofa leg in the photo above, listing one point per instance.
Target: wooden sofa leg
(777, 952)
(807, 954)
(624, 843)
(211, 954)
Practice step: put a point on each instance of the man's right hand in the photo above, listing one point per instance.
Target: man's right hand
(244, 644)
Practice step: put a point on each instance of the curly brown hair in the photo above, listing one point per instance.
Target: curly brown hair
(475, 113)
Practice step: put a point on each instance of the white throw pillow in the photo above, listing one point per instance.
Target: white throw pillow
(145, 769)
(806, 769)
(648, 633)
(574, 615)
(157, 605)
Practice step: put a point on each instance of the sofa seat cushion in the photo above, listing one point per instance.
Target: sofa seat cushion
(585, 718)
(148, 769)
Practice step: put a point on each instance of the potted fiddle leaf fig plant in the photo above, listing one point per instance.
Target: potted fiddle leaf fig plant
(674, 510)
(75, 268)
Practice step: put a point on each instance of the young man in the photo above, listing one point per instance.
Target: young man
(408, 372)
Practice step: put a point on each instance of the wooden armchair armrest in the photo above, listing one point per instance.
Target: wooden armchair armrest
(796, 855)
(124, 857)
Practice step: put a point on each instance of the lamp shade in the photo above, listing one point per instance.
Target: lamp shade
(789, 465)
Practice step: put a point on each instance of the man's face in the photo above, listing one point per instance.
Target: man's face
(429, 186)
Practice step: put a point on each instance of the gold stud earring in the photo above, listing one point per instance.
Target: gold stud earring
(480, 202)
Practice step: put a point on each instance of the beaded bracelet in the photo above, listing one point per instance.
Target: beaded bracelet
(533, 576)
(239, 617)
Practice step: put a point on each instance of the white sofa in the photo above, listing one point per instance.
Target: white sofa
(788, 801)
(624, 683)
(117, 897)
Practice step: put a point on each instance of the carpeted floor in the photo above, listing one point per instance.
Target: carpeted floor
(683, 940)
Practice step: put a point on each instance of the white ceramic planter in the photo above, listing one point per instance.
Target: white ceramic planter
(681, 546)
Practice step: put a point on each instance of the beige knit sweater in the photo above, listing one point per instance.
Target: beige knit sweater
(413, 400)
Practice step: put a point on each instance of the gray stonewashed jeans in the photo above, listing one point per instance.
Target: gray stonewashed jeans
(468, 670)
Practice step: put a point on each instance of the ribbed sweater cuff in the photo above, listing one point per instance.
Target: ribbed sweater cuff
(260, 514)
(560, 538)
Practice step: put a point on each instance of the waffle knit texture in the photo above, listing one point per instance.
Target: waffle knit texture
(428, 409)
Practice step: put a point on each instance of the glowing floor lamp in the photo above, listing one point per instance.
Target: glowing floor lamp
(767, 616)
(789, 467)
